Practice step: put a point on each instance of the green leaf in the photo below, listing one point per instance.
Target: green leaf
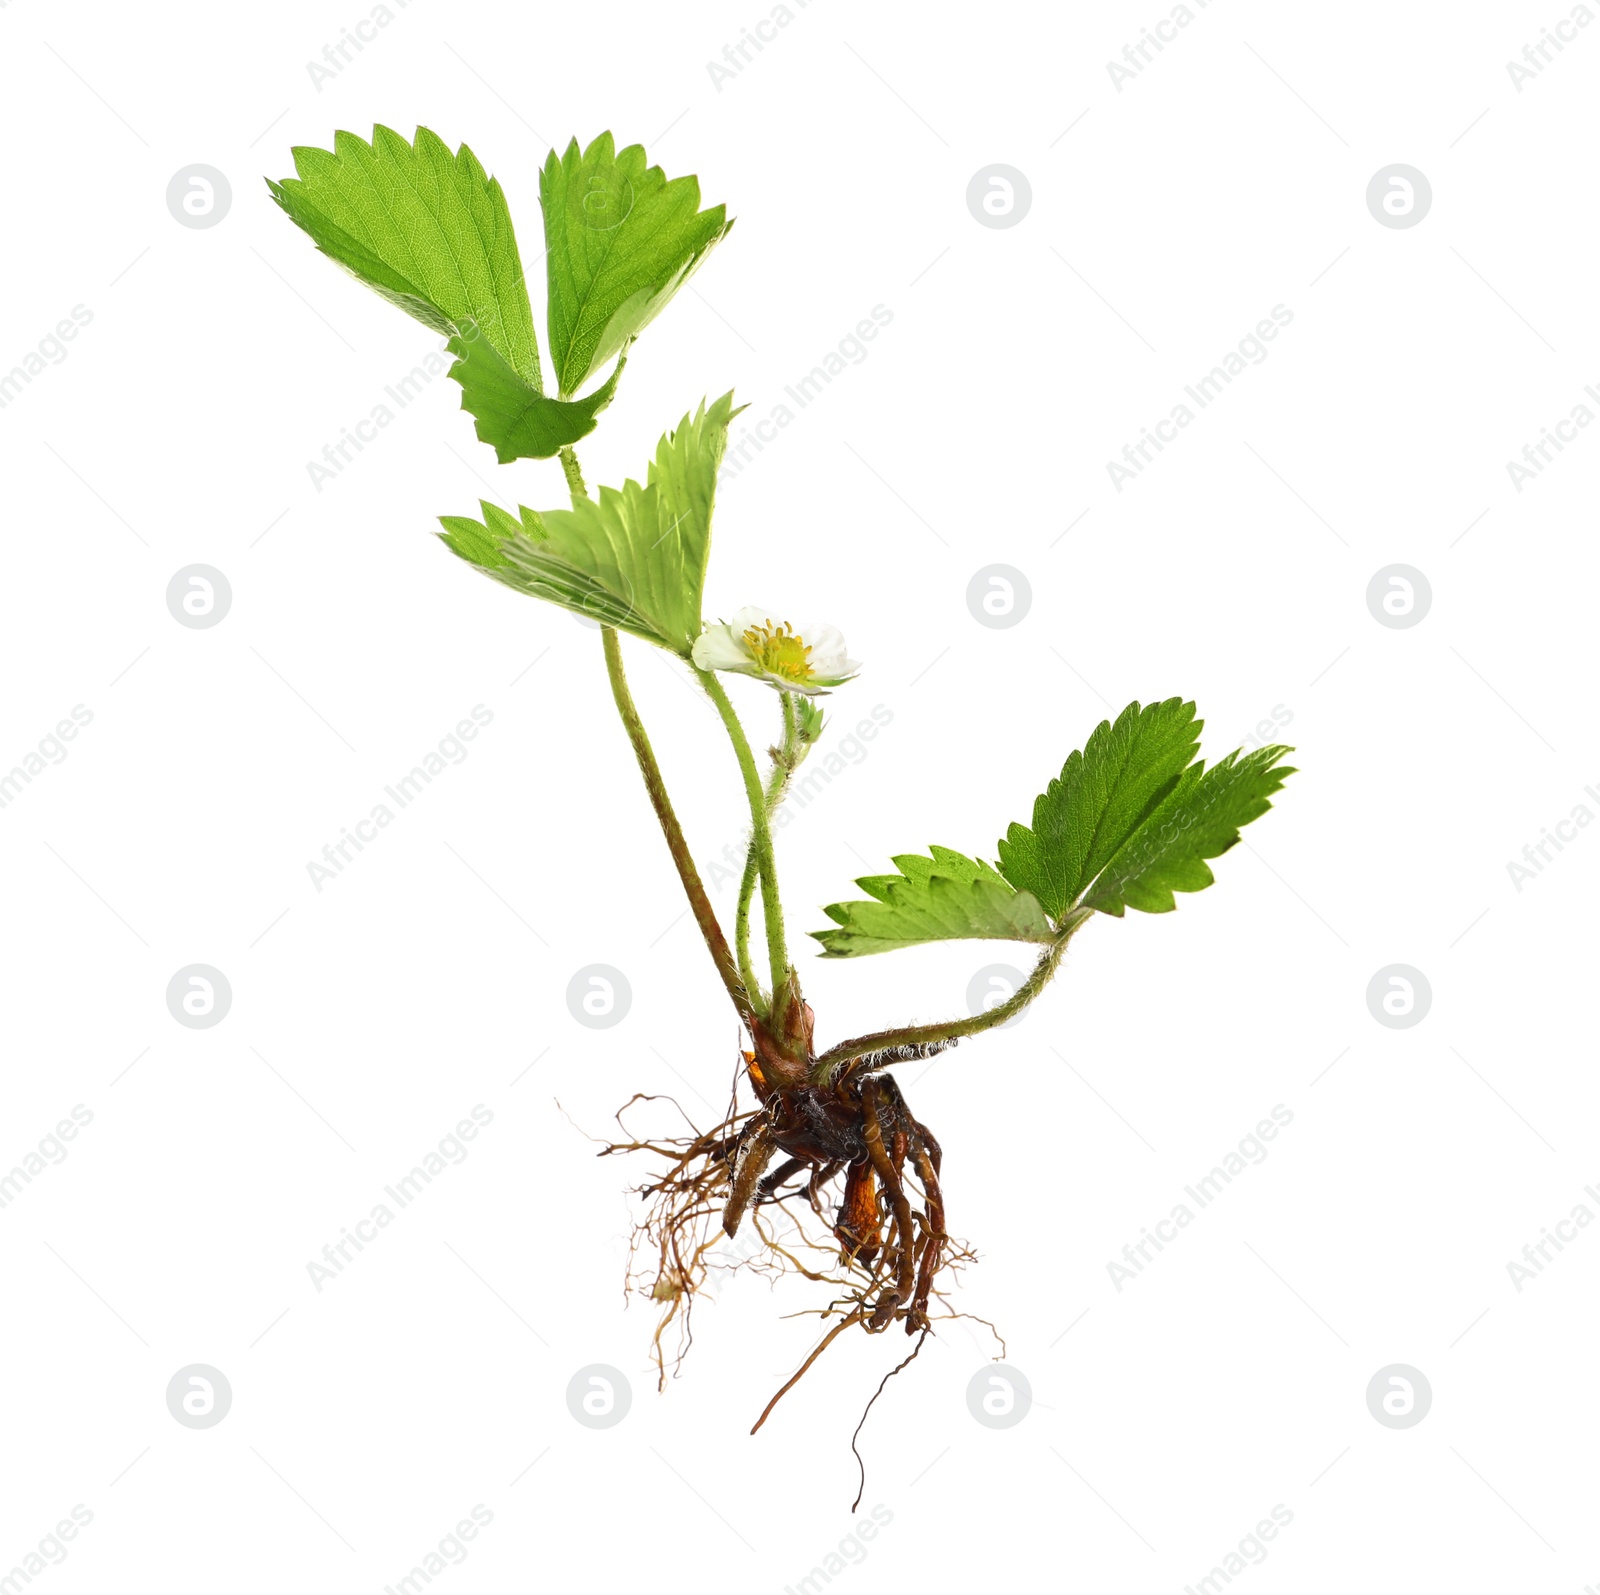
(518, 421)
(621, 241)
(947, 897)
(480, 542)
(424, 228)
(1100, 797)
(1198, 819)
(431, 232)
(636, 559)
(517, 552)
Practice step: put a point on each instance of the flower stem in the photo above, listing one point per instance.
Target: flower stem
(785, 759)
(693, 887)
(827, 1067)
(760, 833)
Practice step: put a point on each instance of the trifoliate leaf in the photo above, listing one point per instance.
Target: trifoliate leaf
(636, 559)
(947, 897)
(431, 232)
(1198, 819)
(621, 241)
(1101, 795)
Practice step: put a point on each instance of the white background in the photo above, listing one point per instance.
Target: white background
(1228, 176)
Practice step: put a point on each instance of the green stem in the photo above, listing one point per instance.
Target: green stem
(741, 934)
(785, 759)
(760, 832)
(693, 887)
(827, 1067)
(569, 467)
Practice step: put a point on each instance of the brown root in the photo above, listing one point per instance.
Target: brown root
(853, 1202)
(905, 1362)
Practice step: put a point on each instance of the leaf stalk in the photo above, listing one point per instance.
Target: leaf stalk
(826, 1069)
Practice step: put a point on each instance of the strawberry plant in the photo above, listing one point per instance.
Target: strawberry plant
(820, 1153)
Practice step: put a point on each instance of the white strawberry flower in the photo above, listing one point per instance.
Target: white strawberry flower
(806, 659)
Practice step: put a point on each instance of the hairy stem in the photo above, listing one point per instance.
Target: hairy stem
(569, 467)
(693, 887)
(741, 935)
(787, 756)
(827, 1067)
(760, 833)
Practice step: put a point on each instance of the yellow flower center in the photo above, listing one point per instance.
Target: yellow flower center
(779, 651)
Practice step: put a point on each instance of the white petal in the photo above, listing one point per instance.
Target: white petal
(722, 648)
(835, 672)
(822, 639)
(828, 656)
(752, 615)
